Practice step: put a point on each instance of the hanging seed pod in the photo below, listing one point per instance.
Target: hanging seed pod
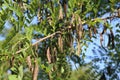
(78, 48)
(60, 43)
(29, 63)
(65, 8)
(101, 38)
(12, 60)
(83, 33)
(112, 38)
(48, 55)
(36, 70)
(70, 38)
(60, 13)
(54, 55)
(72, 20)
(95, 30)
(90, 32)
(79, 28)
(109, 40)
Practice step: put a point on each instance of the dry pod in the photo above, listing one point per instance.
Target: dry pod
(109, 40)
(36, 69)
(65, 8)
(79, 28)
(12, 60)
(60, 13)
(60, 43)
(78, 48)
(95, 30)
(90, 32)
(48, 55)
(112, 38)
(101, 38)
(29, 63)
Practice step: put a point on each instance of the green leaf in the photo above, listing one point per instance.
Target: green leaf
(62, 70)
(21, 71)
(13, 77)
(29, 32)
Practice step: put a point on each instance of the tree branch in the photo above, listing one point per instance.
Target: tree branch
(40, 40)
(58, 32)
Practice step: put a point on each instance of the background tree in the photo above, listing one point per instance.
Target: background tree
(42, 37)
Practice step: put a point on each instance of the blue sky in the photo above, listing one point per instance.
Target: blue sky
(89, 53)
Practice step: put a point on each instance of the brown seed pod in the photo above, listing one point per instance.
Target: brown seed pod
(12, 60)
(101, 38)
(78, 48)
(49, 55)
(65, 9)
(112, 38)
(79, 28)
(90, 32)
(95, 30)
(60, 13)
(60, 43)
(36, 69)
(70, 40)
(29, 63)
(109, 40)
(54, 55)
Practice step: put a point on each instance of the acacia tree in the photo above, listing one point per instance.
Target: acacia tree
(41, 37)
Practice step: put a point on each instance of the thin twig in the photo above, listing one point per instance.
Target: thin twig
(40, 40)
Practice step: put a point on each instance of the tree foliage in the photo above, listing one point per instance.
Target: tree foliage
(42, 37)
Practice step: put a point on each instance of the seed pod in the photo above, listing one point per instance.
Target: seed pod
(60, 13)
(54, 55)
(78, 48)
(109, 40)
(48, 55)
(65, 7)
(79, 28)
(101, 39)
(29, 63)
(94, 30)
(112, 38)
(60, 43)
(36, 69)
(90, 32)
(12, 60)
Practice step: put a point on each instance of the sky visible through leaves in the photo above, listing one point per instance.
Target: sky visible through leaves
(89, 53)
